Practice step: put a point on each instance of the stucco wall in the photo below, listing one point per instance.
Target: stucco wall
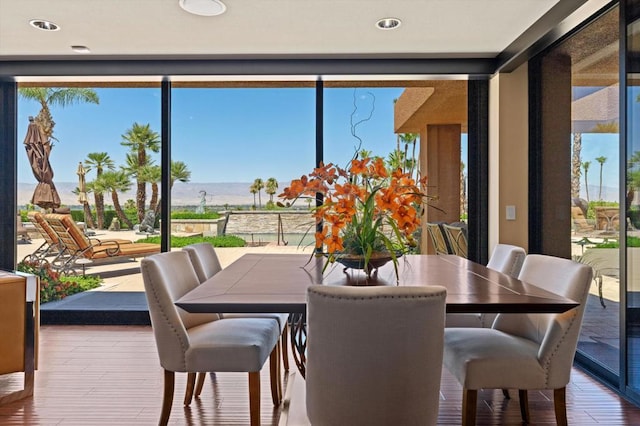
(508, 153)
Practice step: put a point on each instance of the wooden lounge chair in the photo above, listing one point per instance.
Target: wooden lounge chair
(51, 245)
(77, 246)
(22, 232)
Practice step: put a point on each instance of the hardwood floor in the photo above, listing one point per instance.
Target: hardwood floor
(93, 375)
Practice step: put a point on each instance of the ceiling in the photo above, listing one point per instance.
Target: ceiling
(125, 29)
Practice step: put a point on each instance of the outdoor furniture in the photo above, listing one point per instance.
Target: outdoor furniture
(206, 264)
(77, 245)
(51, 245)
(195, 343)
(362, 368)
(604, 261)
(505, 258)
(438, 239)
(22, 232)
(523, 351)
(608, 218)
(278, 283)
(457, 239)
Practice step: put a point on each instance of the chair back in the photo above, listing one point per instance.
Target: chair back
(438, 238)
(556, 334)
(204, 259)
(167, 277)
(507, 259)
(374, 354)
(44, 228)
(69, 234)
(457, 239)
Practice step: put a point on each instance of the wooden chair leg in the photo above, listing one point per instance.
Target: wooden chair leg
(285, 350)
(505, 392)
(167, 399)
(254, 398)
(200, 383)
(188, 394)
(524, 405)
(560, 406)
(274, 369)
(469, 402)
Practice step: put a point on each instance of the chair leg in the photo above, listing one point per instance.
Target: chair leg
(167, 399)
(254, 398)
(200, 383)
(188, 394)
(274, 369)
(505, 392)
(524, 405)
(560, 406)
(285, 351)
(469, 402)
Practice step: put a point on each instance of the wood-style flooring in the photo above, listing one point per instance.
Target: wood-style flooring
(97, 375)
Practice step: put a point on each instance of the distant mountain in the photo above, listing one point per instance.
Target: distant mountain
(217, 193)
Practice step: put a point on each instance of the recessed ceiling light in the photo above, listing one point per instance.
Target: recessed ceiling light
(80, 49)
(44, 25)
(203, 7)
(388, 23)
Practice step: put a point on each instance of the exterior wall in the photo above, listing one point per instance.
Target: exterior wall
(509, 157)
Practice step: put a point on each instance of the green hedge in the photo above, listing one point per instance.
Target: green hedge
(219, 241)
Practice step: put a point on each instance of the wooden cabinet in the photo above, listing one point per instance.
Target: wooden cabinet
(19, 319)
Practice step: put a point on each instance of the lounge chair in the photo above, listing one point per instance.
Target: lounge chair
(77, 246)
(51, 245)
(22, 232)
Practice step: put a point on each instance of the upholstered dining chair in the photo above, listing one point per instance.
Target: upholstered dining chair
(195, 343)
(206, 264)
(457, 239)
(523, 351)
(362, 368)
(505, 258)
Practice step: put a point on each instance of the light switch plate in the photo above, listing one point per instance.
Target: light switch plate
(511, 212)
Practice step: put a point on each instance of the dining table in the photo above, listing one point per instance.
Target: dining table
(277, 283)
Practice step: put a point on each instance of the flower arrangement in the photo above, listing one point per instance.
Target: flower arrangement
(366, 210)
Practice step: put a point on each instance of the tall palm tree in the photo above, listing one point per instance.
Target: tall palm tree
(271, 188)
(99, 161)
(115, 182)
(179, 173)
(259, 184)
(152, 173)
(585, 167)
(56, 96)
(409, 139)
(254, 190)
(576, 164)
(601, 160)
(140, 139)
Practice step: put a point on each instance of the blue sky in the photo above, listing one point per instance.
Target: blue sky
(224, 135)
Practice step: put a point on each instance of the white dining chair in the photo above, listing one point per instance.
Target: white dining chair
(374, 355)
(523, 351)
(206, 264)
(196, 343)
(505, 258)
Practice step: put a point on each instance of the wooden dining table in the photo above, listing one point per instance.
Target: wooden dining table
(277, 283)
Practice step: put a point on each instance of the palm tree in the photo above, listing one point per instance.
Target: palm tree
(114, 182)
(254, 190)
(409, 139)
(50, 96)
(99, 161)
(576, 164)
(601, 160)
(271, 188)
(179, 173)
(585, 167)
(152, 173)
(258, 184)
(140, 138)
